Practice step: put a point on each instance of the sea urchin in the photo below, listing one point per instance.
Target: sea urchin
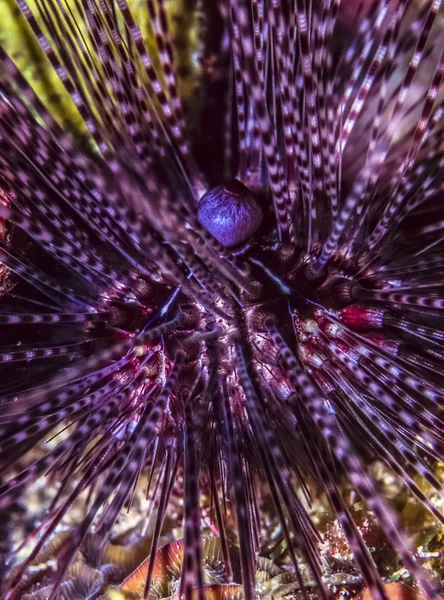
(284, 323)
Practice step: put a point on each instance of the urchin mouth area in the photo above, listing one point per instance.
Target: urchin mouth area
(285, 277)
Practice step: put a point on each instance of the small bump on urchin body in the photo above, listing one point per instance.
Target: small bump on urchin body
(230, 213)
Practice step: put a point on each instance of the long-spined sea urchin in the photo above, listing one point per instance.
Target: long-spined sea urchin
(287, 321)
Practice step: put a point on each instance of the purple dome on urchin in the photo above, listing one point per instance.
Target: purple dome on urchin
(230, 213)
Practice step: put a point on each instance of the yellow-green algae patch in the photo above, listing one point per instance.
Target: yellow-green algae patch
(19, 42)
